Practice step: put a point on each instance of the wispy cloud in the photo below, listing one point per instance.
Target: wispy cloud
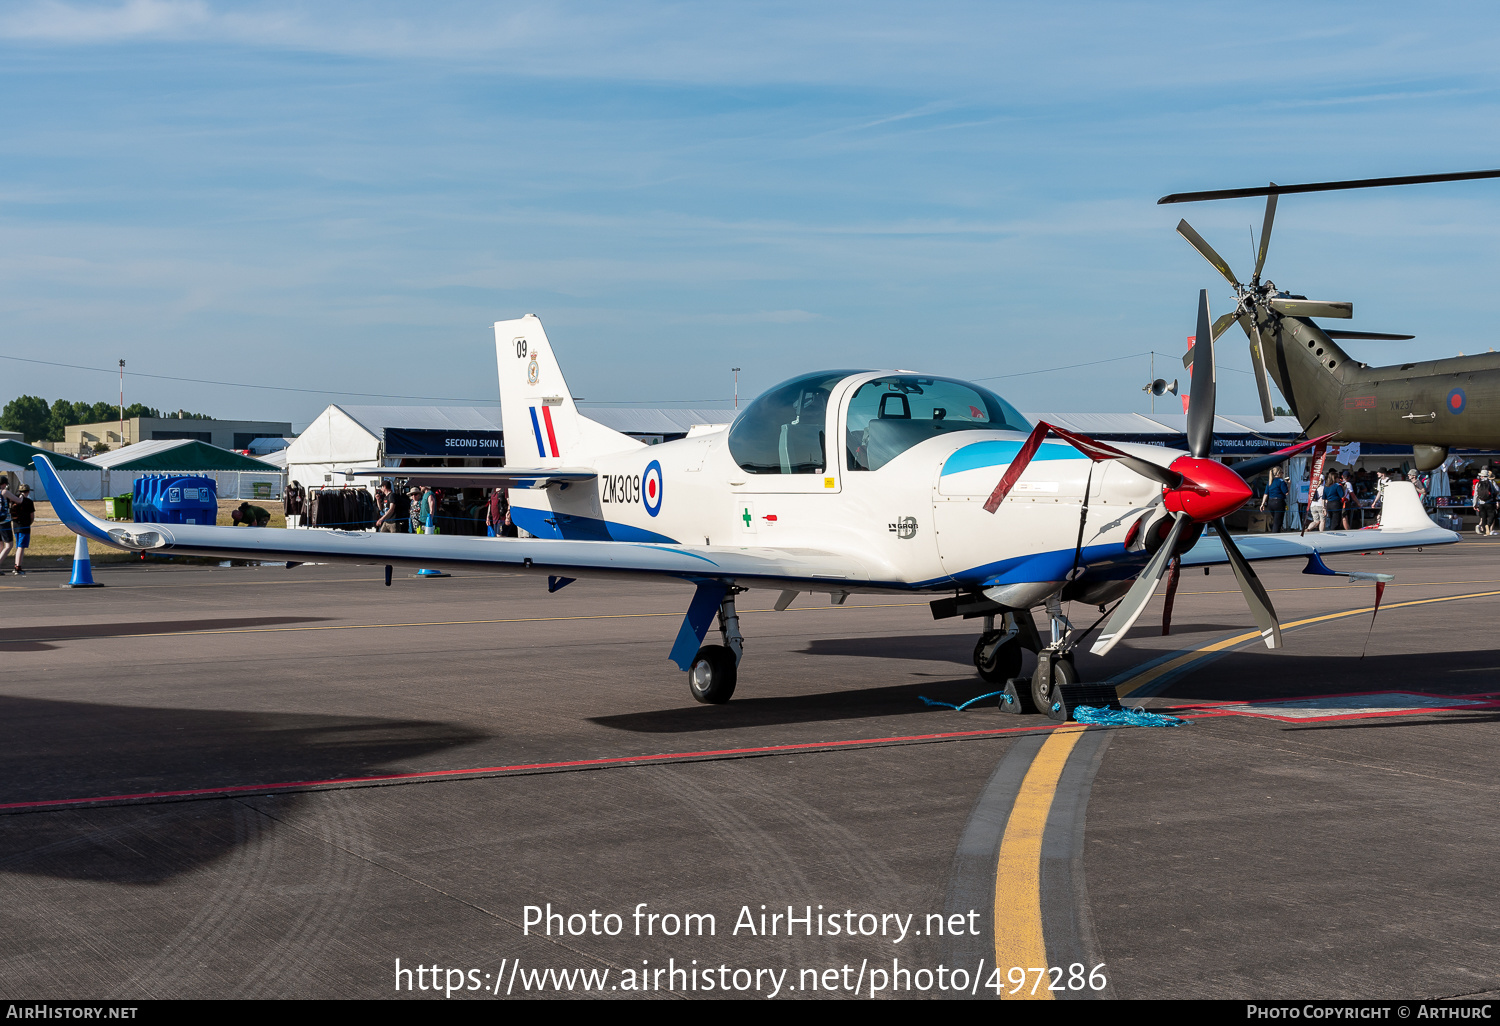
(55, 21)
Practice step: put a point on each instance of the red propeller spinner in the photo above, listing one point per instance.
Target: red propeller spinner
(1208, 491)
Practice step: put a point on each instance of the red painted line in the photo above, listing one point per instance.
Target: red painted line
(1482, 701)
(202, 792)
(551, 435)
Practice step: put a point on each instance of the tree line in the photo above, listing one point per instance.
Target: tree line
(39, 422)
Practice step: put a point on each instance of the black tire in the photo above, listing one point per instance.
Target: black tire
(713, 674)
(1063, 672)
(1005, 664)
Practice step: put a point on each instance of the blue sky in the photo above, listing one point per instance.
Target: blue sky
(344, 196)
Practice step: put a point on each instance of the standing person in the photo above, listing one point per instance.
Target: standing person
(7, 535)
(383, 504)
(494, 519)
(397, 518)
(414, 504)
(1333, 503)
(1351, 497)
(1317, 512)
(22, 513)
(428, 509)
(1486, 497)
(1274, 501)
(1416, 481)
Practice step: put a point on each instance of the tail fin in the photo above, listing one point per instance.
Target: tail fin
(1401, 509)
(543, 427)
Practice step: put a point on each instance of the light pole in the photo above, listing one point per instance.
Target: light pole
(122, 402)
(736, 387)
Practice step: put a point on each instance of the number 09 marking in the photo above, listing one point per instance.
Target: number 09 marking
(520, 349)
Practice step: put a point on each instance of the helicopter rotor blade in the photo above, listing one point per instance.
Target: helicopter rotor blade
(1356, 183)
(1200, 414)
(1209, 253)
(1220, 326)
(1265, 235)
(1258, 362)
(1310, 307)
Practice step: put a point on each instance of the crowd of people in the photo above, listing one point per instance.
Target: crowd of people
(1338, 502)
(423, 509)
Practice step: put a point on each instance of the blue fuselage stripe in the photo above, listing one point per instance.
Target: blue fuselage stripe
(1002, 453)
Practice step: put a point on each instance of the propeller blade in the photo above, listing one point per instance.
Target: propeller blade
(1201, 245)
(1171, 594)
(1265, 235)
(1255, 592)
(1094, 450)
(1100, 451)
(1200, 418)
(1377, 336)
(1017, 466)
(1249, 468)
(1130, 607)
(1310, 307)
(1220, 326)
(1258, 363)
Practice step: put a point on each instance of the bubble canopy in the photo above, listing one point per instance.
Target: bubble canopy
(783, 431)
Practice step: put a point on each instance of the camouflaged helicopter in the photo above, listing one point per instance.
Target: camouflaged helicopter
(1431, 405)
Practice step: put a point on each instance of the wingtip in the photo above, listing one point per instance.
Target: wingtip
(74, 517)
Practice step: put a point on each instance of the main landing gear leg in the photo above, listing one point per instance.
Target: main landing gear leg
(997, 656)
(1054, 664)
(715, 668)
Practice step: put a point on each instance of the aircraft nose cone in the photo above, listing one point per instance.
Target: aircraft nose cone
(1225, 490)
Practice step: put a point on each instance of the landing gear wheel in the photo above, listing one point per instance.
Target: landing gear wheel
(712, 676)
(1003, 664)
(1063, 672)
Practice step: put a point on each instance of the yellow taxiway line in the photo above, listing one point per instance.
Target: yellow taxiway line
(1018, 904)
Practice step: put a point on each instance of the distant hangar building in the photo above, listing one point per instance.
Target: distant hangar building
(226, 434)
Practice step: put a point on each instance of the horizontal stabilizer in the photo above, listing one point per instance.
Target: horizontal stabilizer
(1374, 336)
(480, 477)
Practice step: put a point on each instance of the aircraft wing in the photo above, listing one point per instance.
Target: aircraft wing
(1404, 524)
(479, 477)
(801, 569)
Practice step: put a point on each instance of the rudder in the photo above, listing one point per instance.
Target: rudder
(541, 422)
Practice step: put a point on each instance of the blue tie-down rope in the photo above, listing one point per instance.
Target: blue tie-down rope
(959, 708)
(1087, 714)
(1136, 717)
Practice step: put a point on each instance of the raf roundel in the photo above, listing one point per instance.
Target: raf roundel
(1456, 401)
(651, 488)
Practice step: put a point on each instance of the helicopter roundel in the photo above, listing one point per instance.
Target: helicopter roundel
(651, 487)
(1456, 401)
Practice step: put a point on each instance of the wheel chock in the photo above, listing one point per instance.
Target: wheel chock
(1067, 697)
(1015, 700)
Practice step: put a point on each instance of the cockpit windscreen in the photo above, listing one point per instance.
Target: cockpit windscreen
(889, 415)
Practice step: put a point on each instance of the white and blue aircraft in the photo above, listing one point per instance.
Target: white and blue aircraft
(837, 482)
